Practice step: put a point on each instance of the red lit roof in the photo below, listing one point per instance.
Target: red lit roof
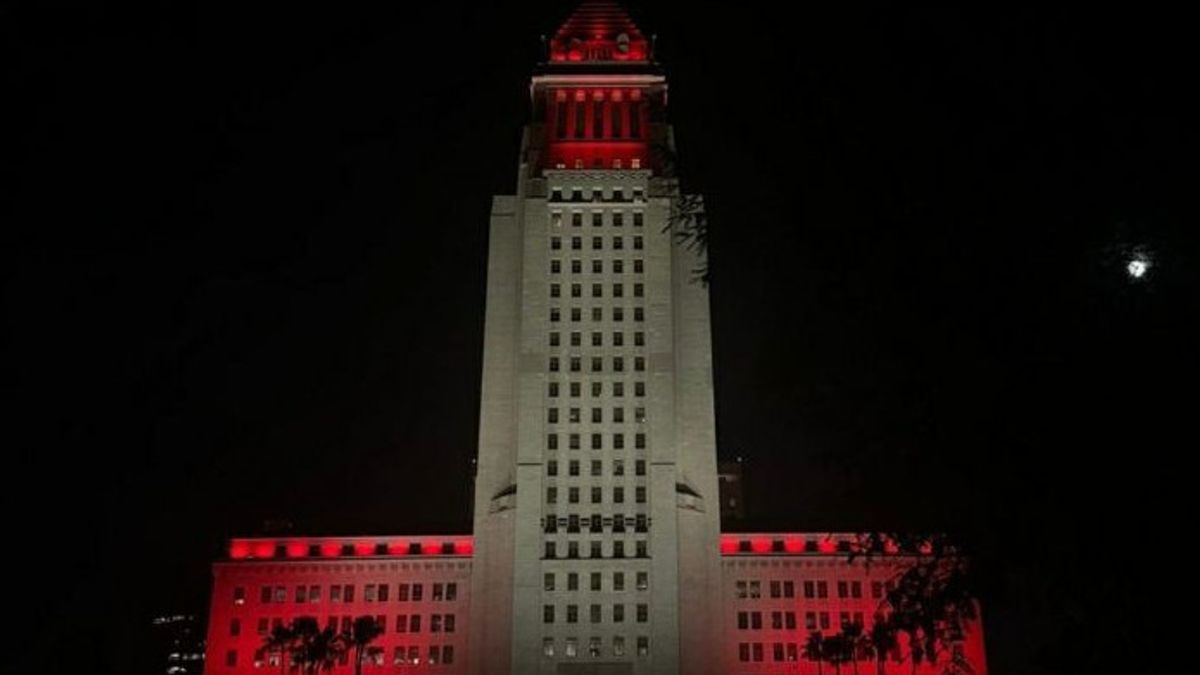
(599, 31)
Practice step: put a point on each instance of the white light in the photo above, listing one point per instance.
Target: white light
(1138, 266)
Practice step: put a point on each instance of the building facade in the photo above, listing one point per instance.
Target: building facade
(596, 547)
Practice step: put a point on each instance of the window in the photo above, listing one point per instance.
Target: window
(824, 620)
(576, 216)
(822, 589)
(594, 616)
(618, 494)
(597, 267)
(809, 590)
(401, 623)
(548, 647)
(597, 216)
(414, 623)
(573, 468)
(435, 623)
(777, 651)
(755, 589)
(597, 442)
(643, 581)
(618, 266)
(638, 218)
(555, 245)
(574, 415)
(639, 290)
(618, 364)
(573, 441)
(618, 644)
(573, 495)
(596, 495)
(618, 441)
(552, 415)
(239, 595)
(743, 620)
(643, 613)
(639, 388)
(639, 493)
(619, 546)
(597, 314)
(401, 593)
(231, 658)
(417, 592)
(576, 363)
(639, 363)
(576, 267)
(572, 613)
(618, 218)
(235, 627)
(547, 613)
(571, 650)
(789, 589)
(744, 651)
(556, 193)
(439, 592)
(618, 465)
(643, 646)
(776, 589)
(555, 341)
(637, 267)
(618, 291)
(576, 290)
(553, 365)
(572, 581)
(597, 465)
(639, 441)
(574, 390)
(618, 389)
(618, 314)
(856, 589)
(597, 243)
(810, 621)
(843, 589)
(618, 244)
(637, 243)
(551, 495)
(618, 583)
(639, 467)
(552, 441)
(597, 364)
(556, 267)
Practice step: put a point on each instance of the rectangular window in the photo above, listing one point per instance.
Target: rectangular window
(552, 442)
(548, 647)
(231, 658)
(550, 553)
(618, 645)
(643, 645)
(594, 614)
(643, 613)
(822, 589)
(618, 314)
(573, 495)
(618, 244)
(639, 467)
(572, 613)
(572, 648)
(639, 389)
(556, 267)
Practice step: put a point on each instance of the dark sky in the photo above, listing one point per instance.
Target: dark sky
(244, 266)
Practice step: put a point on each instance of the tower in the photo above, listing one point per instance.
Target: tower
(596, 511)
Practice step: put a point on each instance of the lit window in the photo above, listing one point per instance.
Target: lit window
(548, 647)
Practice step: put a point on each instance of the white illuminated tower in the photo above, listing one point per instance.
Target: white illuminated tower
(596, 509)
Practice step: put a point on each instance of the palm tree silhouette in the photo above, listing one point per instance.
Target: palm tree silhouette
(364, 631)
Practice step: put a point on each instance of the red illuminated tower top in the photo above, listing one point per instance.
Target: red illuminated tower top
(599, 31)
(599, 97)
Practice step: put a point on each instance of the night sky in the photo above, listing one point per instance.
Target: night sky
(243, 280)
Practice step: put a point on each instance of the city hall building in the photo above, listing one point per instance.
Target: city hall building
(597, 544)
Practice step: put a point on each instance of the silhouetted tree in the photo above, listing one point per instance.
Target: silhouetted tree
(281, 639)
(317, 650)
(364, 631)
(882, 639)
(814, 650)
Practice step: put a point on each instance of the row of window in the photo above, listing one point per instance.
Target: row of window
(596, 388)
(596, 194)
(575, 339)
(597, 441)
(618, 217)
(595, 613)
(405, 623)
(595, 646)
(812, 589)
(598, 163)
(401, 656)
(345, 593)
(575, 415)
(618, 291)
(618, 244)
(754, 620)
(781, 651)
(576, 117)
(616, 267)
(597, 313)
(596, 468)
(596, 550)
(596, 524)
(595, 581)
(597, 494)
(575, 364)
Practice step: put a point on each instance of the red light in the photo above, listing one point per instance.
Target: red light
(760, 544)
(331, 550)
(464, 547)
(398, 548)
(793, 544)
(827, 546)
(364, 548)
(297, 549)
(729, 545)
(430, 548)
(239, 550)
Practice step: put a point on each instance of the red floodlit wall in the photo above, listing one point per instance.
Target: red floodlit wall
(778, 588)
(423, 582)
